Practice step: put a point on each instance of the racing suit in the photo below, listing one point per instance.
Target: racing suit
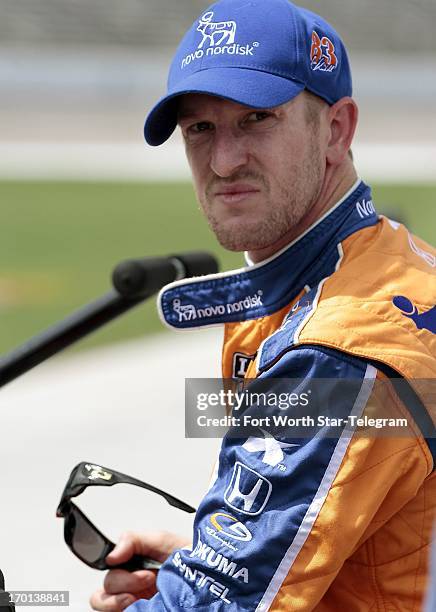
(334, 521)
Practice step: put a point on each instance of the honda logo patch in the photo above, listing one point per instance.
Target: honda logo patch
(248, 491)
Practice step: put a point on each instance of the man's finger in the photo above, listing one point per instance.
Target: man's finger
(125, 548)
(105, 602)
(157, 545)
(121, 581)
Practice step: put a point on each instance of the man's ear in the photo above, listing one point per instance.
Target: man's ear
(343, 120)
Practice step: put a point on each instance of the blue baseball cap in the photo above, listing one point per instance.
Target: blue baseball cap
(258, 53)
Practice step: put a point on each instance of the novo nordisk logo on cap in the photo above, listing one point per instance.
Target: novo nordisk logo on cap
(218, 37)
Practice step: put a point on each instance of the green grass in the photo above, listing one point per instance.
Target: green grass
(59, 242)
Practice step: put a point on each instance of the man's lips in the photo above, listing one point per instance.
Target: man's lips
(235, 193)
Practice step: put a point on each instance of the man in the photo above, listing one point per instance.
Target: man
(334, 521)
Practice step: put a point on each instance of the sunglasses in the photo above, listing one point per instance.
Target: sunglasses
(82, 537)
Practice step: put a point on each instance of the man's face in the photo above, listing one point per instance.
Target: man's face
(256, 172)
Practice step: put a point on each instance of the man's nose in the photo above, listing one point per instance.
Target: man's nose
(229, 153)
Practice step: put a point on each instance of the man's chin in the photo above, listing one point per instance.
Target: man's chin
(240, 233)
(239, 244)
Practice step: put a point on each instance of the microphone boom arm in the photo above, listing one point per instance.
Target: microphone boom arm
(134, 282)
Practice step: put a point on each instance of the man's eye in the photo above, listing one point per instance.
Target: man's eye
(201, 126)
(257, 116)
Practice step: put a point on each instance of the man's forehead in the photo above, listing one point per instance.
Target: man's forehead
(195, 103)
(191, 104)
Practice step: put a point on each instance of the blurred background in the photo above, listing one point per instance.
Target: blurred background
(80, 191)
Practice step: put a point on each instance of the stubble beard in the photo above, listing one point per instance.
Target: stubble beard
(281, 214)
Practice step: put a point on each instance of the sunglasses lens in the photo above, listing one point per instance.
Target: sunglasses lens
(85, 541)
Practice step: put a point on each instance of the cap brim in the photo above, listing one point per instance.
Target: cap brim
(248, 87)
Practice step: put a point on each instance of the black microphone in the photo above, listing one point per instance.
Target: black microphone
(134, 281)
(143, 277)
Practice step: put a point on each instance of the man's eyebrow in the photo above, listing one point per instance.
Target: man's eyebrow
(186, 113)
(192, 113)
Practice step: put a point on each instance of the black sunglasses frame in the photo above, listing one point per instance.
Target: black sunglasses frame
(84, 475)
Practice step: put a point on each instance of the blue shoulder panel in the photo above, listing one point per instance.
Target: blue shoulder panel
(282, 340)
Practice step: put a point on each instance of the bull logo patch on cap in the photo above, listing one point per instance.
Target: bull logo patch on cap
(216, 32)
(322, 54)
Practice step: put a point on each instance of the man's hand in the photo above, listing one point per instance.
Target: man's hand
(122, 588)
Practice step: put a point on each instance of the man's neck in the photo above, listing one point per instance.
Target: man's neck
(332, 192)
